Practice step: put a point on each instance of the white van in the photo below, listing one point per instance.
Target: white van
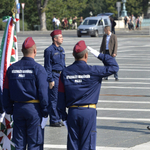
(93, 26)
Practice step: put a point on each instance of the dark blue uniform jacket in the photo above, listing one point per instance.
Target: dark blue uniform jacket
(54, 60)
(80, 83)
(25, 80)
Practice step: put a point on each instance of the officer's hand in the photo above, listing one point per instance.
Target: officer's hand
(93, 51)
(114, 55)
(51, 84)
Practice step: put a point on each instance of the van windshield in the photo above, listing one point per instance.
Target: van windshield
(89, 22)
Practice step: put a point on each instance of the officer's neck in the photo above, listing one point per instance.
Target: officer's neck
(57, 44)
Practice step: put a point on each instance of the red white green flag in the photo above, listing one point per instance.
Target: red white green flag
(8, 55)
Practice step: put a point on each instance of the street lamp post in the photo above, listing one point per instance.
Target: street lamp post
(124, 12)
(23, 4)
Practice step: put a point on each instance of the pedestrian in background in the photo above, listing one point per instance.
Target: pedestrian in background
(113, 24)
(65, 23)
(79, 88)
(81, 20)
(54, 22)
(125, 21)
(74, 23)
(137, 23)
(109, 46)
(25, 96)
(141, 20)
(57, 23)
(70, 23)
(54, 63)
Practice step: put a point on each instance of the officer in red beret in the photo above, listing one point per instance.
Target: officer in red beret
(79, 88)
(25, 96)
(54, 63)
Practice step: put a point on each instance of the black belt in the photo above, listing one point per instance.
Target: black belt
(56, 71)
(107, 49)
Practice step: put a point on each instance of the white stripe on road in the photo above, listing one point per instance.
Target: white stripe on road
(97, 147)
(131, 102)
(123, 109)
(124, 119)
(119, 87)
(125, 83)
(144, 146)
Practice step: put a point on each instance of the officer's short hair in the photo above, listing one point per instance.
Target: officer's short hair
(28, 51)
(55, 36)
(107, 28)
(79, 55)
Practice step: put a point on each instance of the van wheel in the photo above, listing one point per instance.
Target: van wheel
(96, 34)
(79, 35)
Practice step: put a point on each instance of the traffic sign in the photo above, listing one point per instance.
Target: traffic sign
(23, 5)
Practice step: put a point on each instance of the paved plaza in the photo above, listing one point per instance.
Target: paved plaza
(123, 109)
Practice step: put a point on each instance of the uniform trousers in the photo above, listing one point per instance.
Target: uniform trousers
(53, 96)
(115, 74)
(27, 129)
(81, 128)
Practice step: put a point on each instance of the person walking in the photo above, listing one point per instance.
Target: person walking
(57, 23)
(70, 23)
(79, 88)
(54, 63)
(113, 24)
(54, 22)
(74, 23)
(109, 46)
(25, 96)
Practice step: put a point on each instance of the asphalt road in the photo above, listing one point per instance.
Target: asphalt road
(123, 109)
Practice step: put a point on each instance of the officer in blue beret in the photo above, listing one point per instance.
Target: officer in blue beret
(54, 62)
(79, 88)
(25, 96)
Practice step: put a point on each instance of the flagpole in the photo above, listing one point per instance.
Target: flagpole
(17, 16)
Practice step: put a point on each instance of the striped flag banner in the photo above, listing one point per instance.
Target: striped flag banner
(8, 55)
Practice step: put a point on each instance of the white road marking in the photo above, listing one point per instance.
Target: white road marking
(97, 147)
(122, 109)
(126, 83)
(131, 102)
(144, 146)
(120, 87)
(124, 119)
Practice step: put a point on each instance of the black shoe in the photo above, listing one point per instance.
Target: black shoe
(116, 79)
(56, 124)
(62, 124)
(105, 79)
(148, 127)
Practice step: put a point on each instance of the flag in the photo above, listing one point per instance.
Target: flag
(8, 55)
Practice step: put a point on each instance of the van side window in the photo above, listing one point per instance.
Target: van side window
(106, 22)
(100, 22)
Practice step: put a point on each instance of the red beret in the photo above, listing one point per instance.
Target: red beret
(79, 47)
(29, 42)
(55, 32)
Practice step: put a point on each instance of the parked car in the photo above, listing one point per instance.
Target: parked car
(93, 26)
(105, 14)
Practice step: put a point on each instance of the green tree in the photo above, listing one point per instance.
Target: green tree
(6, 7)
(145, 6)
(134, 7)
(94, 6)
(111, 6)
(42, 4)
(30, 13)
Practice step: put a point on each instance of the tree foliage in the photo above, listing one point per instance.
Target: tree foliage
(69, 8)
(30, 13)
(6, 7)
(134, 7)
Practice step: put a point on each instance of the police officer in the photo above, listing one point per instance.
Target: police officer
(79, 88)
(26, 98)
(54, 63)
